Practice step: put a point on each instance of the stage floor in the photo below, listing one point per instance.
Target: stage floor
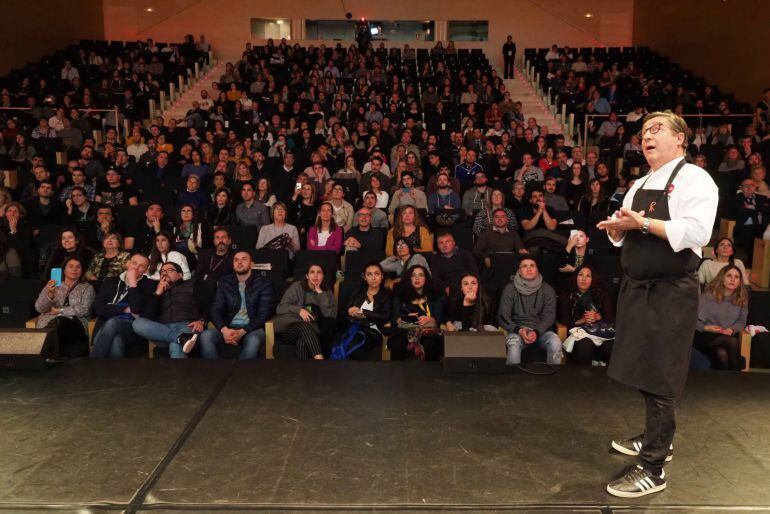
(140, 435)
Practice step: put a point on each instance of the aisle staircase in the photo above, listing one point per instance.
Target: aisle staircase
(534, 105)
(179, 107)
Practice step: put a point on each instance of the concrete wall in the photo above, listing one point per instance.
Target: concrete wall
(32, 30)
(725, 42)
(227, 23)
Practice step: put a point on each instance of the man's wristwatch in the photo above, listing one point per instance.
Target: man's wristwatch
(645, 228)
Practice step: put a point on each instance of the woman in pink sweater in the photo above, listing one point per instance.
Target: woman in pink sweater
(325, 235)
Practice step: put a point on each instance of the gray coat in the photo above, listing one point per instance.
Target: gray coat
(295, 298)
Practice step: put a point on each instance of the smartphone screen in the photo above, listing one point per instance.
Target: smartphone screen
(298, 185)
(56, 275)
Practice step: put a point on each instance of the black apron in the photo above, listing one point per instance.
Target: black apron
(657, 305)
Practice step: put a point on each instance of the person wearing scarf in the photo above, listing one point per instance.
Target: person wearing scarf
(527, 312)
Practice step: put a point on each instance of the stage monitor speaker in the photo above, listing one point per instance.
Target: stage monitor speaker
(474, 352)
(27, 348)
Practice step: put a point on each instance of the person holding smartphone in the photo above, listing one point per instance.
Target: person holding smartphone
(407, 194)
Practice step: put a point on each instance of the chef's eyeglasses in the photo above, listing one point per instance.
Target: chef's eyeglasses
(654, 128)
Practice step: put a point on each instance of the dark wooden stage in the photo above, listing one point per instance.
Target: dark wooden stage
(141, 435)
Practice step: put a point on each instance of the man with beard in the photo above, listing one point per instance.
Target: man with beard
(215, 263)
(243, 303)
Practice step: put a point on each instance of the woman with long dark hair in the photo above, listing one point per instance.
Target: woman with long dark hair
(66, 307)
(221, 213)
(306, 312)
(325, 234)
(722, 313)
(573, 189)
(417, 314)
(587, 305)
(189, 233)
(305, 209)
(369, 307)
(469, 307)
(162, 251)
(594, 204)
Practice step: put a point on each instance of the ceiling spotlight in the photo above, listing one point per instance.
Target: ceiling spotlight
(279, 22)
(589, 15)
(149, 9)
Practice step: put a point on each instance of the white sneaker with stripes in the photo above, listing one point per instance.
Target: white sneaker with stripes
(633, 446)
(635, 481)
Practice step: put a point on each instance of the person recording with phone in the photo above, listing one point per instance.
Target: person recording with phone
(65, 304)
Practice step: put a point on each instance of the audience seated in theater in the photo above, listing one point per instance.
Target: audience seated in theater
(250, 212)
(172, 311)
(539, 223)
(279, 235)
(379, 218)
(114, 192)
(305, 209)
(243, 303)
(305, 314)
(363, 236)
(407, 194)
(409, 225)
(483, 219)
(44, 209)
(553, 200)
(66, 308)
(189, 233)
(527, 312)
(416, 317)
(141, 238)
(449, 263)
(370, 307)
(574, 188)
(585, 304)
(478, 196)
(110, 262)
(163, 252)
(80, 210)
(343, 211)
(528, 173)
(724, 255)
(751, 212)
(119, 300)
(470, 308)
(404, 258)
(68, 245)
(325, 234)
(595, 204)
(722, 314)
(444, 204)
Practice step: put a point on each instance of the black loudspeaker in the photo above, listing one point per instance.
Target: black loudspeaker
(27, 348)
(474, 352)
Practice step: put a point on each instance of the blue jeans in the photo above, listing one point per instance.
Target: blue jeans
(249, 344)
(548, 341)
(163, 334)
(111, 340)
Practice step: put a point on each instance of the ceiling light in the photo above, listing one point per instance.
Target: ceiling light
(589, 15)
(149, 9)
(279, 22)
